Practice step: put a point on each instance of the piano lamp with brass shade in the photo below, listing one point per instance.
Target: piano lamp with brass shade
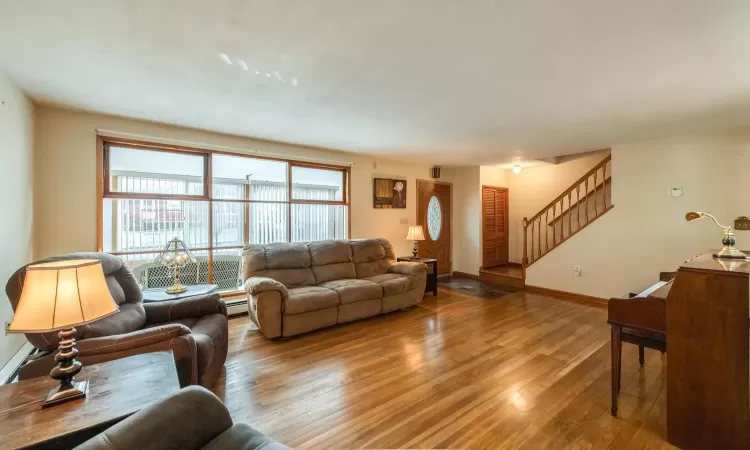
(175, 256)
(57, 296)
(727, 251)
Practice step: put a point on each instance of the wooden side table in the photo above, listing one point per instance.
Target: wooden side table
(117, 389)
(153, 295)
(432, 271)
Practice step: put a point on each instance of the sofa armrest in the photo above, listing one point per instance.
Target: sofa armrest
(188, 419)
(257, 285)
(265, 304)
(128, 341)
(191, 307)
(408, 268)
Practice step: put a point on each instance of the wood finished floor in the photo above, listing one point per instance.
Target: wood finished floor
(458, 371)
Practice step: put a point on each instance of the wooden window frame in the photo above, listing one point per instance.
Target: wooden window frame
(104, 190)
(109, 193)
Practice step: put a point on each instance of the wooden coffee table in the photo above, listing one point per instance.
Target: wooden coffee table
(117, 389)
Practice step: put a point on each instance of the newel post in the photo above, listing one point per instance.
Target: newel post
(525, 259)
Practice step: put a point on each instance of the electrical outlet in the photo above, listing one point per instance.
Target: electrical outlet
(576, 271)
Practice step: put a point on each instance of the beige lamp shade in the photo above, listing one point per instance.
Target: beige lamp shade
(62, 294)
(415, 233)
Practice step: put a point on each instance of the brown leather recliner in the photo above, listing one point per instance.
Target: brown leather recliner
(194, 328)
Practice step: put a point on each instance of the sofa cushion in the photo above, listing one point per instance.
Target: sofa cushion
(336, 271)
(291, 278)
(330, 252)
(394, 283)
(351, 291)
(367, 250)
(309, 298)
(371, 257)
(287, 256)
(288, 264)
(331, 260)
(370, 269)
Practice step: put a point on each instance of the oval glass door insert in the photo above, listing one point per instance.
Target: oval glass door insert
(434, 218)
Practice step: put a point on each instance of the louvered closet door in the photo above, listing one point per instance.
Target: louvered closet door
(494, 226)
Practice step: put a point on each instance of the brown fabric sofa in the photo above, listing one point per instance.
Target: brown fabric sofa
(195, 328)
(296, 288)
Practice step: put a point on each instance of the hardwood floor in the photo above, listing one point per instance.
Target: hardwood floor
(458, 371)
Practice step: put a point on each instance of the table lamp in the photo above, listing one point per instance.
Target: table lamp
(415, 234)
(175, 256)
(57, 296)
(728, 251)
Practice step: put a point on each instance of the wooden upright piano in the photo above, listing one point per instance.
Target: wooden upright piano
(701, 317)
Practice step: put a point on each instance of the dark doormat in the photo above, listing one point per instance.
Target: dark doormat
(476, 287)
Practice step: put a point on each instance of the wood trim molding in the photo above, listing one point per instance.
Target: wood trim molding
(599, 302)
(99, 194)
(146, 145)
(456, 273)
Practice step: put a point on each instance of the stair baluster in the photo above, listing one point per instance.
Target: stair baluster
(548, 218)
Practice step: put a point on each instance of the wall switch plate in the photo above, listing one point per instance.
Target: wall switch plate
(404, 221)
(7, 325)
(676, 192)
(576, 271)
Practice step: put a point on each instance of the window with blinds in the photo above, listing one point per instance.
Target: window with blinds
(217, 203)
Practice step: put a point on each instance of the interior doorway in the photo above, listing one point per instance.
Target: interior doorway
(434, 214)
(494, 226)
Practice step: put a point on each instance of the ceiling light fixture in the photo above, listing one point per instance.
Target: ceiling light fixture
(225, 58)
(517, 169)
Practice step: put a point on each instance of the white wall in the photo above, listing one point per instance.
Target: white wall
(646, 232)
(16, 201)
(528, 192)
(466, 229)
(65, 200)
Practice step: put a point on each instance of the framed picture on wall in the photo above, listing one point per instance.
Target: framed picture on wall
(388, 193)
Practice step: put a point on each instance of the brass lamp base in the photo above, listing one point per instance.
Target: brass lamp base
(176, 289)
(66, 392)
(730, 253)
(66, 369)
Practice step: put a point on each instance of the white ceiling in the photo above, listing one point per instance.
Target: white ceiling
(441, 81)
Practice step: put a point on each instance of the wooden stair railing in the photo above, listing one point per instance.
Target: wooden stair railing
(577, 207)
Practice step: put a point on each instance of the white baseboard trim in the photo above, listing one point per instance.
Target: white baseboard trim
(8, 372)
(236, 306)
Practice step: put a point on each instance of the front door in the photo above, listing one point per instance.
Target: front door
(434, 214)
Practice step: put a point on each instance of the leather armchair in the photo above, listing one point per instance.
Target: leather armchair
(195, 328)
(192, 418)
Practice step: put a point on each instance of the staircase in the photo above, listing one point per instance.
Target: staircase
(577, 207)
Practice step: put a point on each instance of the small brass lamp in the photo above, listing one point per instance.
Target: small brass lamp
(727, 251)
(175, 256)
